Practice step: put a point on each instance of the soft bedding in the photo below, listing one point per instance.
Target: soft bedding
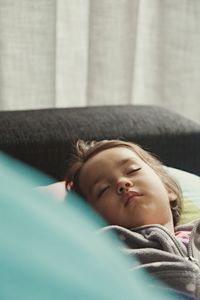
(190, 185)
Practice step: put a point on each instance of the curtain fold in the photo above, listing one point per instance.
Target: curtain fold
(62, 53)
(111, 56)
(27, 54)
(72, 43)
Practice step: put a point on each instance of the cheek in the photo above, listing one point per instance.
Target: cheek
(154, 180)
(155, 186)
(103, 206)
(107, 207)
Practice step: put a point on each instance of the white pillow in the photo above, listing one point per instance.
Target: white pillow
(190, 185)
(57, 190)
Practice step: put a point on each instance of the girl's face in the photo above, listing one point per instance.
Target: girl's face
(125, 190)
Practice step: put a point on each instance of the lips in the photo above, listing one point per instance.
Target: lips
(131, 197)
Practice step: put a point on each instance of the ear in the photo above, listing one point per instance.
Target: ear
(172, 196)
(68, 185)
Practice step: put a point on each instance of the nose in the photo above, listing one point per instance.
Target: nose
(123, 186)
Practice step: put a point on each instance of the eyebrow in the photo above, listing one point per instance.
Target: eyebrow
(124, 161)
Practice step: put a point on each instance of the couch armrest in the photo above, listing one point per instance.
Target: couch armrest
(43, 138)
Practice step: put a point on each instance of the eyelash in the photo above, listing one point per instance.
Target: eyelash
(101, 192)
(133, 171)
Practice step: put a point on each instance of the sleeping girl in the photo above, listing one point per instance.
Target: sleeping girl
(137, 197)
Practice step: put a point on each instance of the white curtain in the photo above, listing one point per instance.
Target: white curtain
(62, 53)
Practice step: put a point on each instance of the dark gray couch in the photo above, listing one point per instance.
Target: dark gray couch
(43, 138)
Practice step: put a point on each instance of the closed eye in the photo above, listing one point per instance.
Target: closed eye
(131, 171)
(102, 191)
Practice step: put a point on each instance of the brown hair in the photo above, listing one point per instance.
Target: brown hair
(83, 151)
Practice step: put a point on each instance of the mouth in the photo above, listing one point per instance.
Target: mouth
(132, 197)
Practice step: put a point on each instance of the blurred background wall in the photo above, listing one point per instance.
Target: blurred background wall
(63, 53)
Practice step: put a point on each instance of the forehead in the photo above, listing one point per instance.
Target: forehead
(114, 154)
(109, 158)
